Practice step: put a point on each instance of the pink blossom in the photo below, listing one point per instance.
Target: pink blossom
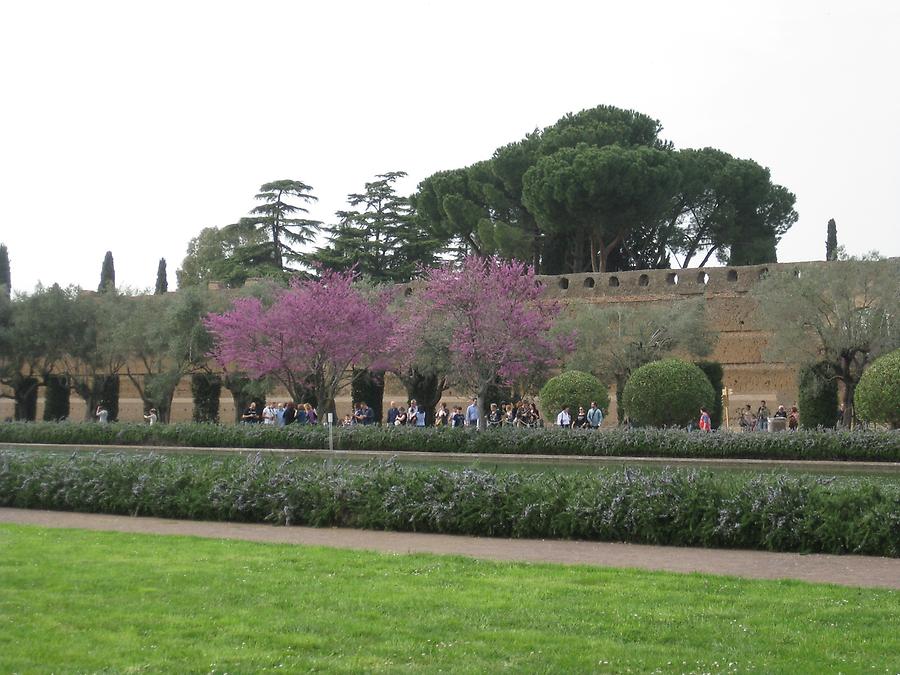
(309, 337)
(496, 321)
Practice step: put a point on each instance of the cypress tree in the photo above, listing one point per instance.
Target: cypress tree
(162, 280)
(5, 280)
(368, 386)
(107, 274)
(206, 389)
(56, 398)
(831, 243)
(715, 374)
(25, 395)
(818, 396)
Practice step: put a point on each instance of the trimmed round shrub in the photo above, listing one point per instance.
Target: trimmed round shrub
(667, 393)
(877, 397)
(572, 388)
(818, 396)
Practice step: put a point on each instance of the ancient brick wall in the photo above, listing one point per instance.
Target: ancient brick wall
(749, 374)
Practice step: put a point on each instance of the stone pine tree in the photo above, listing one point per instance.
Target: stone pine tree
(831, 244)
(107, 274)
(285, 233)
(162, 279)
(5, 279)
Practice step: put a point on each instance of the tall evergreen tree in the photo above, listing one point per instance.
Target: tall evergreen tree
(107, 274)
(285, 234)
(831, 245)
(162, 279)
(5, 279)
(382, 241)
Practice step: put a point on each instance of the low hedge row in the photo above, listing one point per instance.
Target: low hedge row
(677, 507)
(809, 445)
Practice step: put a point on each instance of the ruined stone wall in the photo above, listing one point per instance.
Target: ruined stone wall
(749, 374)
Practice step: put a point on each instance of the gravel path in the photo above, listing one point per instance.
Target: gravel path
(846, 570)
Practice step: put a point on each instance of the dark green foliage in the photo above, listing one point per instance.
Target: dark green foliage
(5, 276)
(572, 388)
(229, 256)
(570, 216)
(368, 387)
(205, 389)
(382, 241)
(878, 393)
(56, 398)
(499, 393)
(25, 395)
(831, 243)
(671, 507)
(714, 373)
(107, 274)
(818, 396)
(873, 446)
(106, 392)
(285, 235)
(667, 393)
(162, 279)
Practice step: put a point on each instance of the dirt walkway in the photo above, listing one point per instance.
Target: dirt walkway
(845, 570)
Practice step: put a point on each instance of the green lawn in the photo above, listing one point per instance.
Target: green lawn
(95, 601)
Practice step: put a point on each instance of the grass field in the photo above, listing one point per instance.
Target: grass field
(77, 601)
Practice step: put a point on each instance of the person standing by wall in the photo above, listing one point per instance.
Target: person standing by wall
(762, 417)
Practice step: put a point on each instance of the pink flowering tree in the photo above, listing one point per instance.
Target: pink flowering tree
(309, 338)
(496, 322)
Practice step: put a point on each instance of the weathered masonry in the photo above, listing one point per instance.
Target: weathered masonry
(750, 374)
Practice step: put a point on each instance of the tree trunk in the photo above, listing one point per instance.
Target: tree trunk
(606, 250)
(849, 391)
(620, 386)
(426, 389)
(536, 249)
(844, 374)
(25, 397)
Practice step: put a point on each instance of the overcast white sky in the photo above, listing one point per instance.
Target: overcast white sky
(129, 126)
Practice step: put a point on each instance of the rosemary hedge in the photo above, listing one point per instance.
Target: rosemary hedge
(672, 507)
(647, 442)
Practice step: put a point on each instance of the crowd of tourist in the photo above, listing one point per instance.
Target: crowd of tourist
(759, 421)
(521, 414)
(280, 414)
